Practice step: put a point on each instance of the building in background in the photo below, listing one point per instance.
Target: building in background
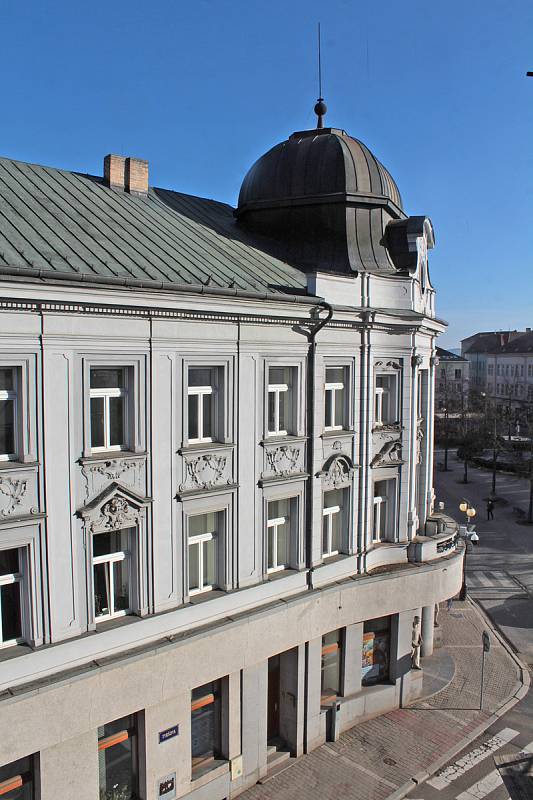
(452, 381)
(216, 441)
(503, 365)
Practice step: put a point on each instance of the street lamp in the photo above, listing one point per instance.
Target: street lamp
(470, 512)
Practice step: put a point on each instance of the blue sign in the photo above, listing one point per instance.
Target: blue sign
(169, 733)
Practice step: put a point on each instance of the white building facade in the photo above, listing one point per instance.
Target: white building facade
(216, 471)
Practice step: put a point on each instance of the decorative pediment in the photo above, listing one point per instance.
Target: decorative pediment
(115, 507)
(390, 454)
(337, 472)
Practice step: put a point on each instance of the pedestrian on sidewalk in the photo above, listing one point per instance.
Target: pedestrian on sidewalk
(449, 603)
(490, 509)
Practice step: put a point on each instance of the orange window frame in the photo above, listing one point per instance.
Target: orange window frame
(11, 783)
(115, 738)
(201, 702)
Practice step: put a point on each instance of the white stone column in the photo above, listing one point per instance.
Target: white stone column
(428, 621)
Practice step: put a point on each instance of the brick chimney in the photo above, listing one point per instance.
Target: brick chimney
(115, 171)
(137, 176)
(126, 174)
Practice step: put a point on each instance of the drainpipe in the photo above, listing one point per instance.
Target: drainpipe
(311, 336)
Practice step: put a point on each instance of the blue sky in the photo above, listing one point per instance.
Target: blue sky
(437, 91)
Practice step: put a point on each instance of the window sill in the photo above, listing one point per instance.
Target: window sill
(205, 774)
(109, 455)
(387, 426)
(8, 465)
(116, 622)
(282, 573)
(282, 439)
(16, 650)
(332, 434)
(201, 447)
(203, 597)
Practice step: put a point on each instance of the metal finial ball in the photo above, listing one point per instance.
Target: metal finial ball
(320, 108)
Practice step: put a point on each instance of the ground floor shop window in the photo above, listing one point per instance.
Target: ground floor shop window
(331, 666)
(206, 726)
(117, 759)
(17, 780)
(376, 651)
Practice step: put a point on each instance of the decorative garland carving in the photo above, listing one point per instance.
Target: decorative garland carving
(419, 437)
(14, 489)
(205, 471)
(112, 469)
(283, 460)
(389, 364)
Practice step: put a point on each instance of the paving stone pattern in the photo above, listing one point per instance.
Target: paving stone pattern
(374, 758)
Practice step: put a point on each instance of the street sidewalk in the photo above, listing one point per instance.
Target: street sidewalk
(386, 756)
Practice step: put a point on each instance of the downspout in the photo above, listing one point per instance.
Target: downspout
(311, 436)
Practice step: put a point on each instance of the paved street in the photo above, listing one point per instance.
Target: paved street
(378, 758)
(500, 568)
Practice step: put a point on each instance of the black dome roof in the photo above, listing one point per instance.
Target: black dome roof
(317, 163)
(325, 201)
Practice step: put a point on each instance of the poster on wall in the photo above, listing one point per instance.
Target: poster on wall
(375, 656)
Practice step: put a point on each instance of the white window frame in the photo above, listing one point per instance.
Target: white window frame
(379, 391)
(277, 389)
(107, 394)
(111, 559)
(328, 514)
(333, 388)
(8, 579)
(274, 524)
(199, 392)
(198, 541)
(12, 394)
(380, 507)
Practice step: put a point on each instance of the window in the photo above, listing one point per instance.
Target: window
(330, 686)
(332, 522)
(334, 400)
(491, 369)
(530, 370)
(498, 369)
(384, 510)
(279, 422)
(10, 598)
(8, 413)
(457, 374)
(201, 391)
(108, 409)
(278, 534)
(202, 548)
(376, 651)
(17, 780)
(112, 574)
(386, 404)
(206, 725)
(117, 759)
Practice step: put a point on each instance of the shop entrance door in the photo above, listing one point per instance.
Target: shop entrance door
(273, 698)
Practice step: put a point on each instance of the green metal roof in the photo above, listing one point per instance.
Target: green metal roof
(63, 224)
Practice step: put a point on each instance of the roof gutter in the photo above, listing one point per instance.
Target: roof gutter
(166, 286)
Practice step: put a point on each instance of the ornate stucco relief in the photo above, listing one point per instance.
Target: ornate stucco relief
(98, 474)
(206, 471)
(283, 460)
(14, 489)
